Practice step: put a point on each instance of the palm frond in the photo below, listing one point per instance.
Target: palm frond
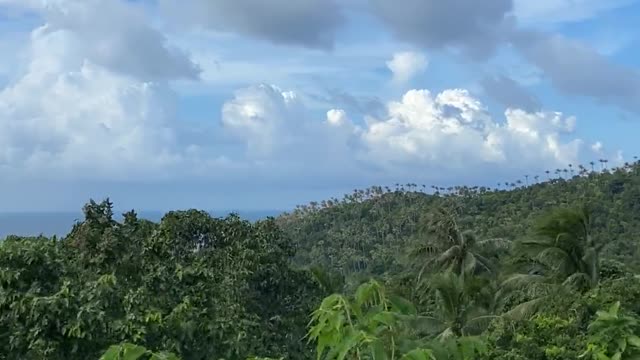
(525, 310)
(578, 281)
(428, 325)
(469, 263)
(484, 263)
(446, 257)
(478, 324)
(521, 281)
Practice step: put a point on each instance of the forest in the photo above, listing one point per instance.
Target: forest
(542, 268)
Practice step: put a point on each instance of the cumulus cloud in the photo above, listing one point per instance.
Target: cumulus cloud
(453, 131)
(93, 101)
(114, 35)
(510, 93)
(337, 117)
(262, 115)
(422, 136)
(476, 27)
(285, 138)
(71, 118)
(597, 147)
(311, 23)
(406, 65)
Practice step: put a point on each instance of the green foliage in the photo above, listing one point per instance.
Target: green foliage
(370, 230)
(613, 336)
(562, 247)
(493, 274)
(197, 286)
(135, 352)
(379, 326)
(463, 305)
(371, 323)
(543, 337)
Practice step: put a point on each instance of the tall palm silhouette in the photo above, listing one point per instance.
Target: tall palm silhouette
(464, 306)
(559, 253)
(447, 247)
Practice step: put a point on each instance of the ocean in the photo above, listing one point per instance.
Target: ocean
(60, 223)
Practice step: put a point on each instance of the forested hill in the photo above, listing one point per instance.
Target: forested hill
(370, 231)
(542, 271)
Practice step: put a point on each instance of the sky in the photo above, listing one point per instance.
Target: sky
(266, 104)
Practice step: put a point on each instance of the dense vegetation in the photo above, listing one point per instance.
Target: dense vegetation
(530, 270)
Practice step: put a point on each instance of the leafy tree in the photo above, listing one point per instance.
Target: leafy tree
(134, 352)
(613, 336)
(376, 325)
(197, 286)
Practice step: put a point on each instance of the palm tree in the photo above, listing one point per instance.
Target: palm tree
(563, 240)
(448, 247)
(561, 253)
(464, 306)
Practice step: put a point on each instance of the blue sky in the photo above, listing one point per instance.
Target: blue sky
(250, 105)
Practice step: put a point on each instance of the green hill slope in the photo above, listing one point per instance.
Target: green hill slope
(370, 231)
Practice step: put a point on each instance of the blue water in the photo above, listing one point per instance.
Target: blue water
(51, 223)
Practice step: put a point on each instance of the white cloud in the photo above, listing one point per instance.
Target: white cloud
(113, 34)
(92, 101)
(263, 115)
(337, 117)
(86, 122)
(448, 136)
(95, 101)
(286, 140)
(597, 147)
(454, 131)
(407, 65)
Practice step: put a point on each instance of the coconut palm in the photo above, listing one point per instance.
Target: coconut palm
(464, 305)
(447, 247)
(560, 253)
(563, 240)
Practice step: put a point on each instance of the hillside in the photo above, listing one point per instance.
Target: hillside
(370, 230)
(529, 273)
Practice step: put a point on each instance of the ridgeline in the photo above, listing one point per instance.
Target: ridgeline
(531, 270)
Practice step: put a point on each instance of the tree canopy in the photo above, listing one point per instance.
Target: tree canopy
(539, 272)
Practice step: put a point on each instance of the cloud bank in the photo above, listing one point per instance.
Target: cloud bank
(97, 100)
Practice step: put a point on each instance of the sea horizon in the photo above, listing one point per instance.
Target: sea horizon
(59, 223)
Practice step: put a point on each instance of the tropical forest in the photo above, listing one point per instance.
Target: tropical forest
(542, 268)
